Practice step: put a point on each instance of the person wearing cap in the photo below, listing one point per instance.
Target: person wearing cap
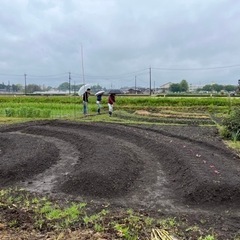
(85, 101)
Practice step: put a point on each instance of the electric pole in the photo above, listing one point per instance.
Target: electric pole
(82, 65)
(150, 81)
(69, 83)
(25, 83)
(135, 84)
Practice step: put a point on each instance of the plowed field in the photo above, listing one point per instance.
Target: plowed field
(176, 169)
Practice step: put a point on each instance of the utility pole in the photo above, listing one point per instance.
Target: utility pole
(135, 84)
(150, 81)
(25, 83)
(69, 83)
(82, 65)
(8, 86)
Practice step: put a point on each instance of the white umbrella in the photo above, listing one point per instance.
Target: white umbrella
(99, 93)
(83, 89)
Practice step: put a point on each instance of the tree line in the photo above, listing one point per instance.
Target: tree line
(183, 86)
(31, 88)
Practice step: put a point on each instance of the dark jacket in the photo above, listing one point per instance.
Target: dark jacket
(111, 99)
(85, 97)
(99, 97)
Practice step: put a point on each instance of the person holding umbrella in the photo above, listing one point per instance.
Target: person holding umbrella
(85, 101)
(99, 100)
(111, 101)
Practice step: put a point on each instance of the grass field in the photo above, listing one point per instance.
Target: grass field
(71, 106)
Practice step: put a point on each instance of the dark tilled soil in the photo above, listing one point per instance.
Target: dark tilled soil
(176, 169)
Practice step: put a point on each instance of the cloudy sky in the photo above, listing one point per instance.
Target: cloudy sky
(115, 43)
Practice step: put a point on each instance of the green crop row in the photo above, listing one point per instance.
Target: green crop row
(178, 101)
(125, 100)
(58, 106)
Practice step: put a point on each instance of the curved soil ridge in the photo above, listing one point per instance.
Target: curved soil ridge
(145, 166)
(21, 157)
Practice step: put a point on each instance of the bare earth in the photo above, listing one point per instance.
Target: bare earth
(180, 170)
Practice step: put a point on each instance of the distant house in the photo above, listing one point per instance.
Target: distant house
(165, 87)
(194, 88)
(133, 91)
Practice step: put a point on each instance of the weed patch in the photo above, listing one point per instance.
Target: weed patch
(21, 210)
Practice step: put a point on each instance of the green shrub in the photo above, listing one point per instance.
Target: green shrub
(232, 125)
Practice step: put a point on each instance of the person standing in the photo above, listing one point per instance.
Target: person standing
(99, 101)
(85, 101)
(111, 101)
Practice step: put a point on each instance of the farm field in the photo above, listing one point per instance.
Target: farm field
(154, 164)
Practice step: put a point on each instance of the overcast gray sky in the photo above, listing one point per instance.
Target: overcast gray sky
(119, 40)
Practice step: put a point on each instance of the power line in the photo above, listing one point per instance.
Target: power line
(117, 76)
(35, 76)
(49, 76)
(197, 69)
(11, 75)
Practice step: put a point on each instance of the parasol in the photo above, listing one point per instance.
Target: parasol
(83, 89)
(99, 93)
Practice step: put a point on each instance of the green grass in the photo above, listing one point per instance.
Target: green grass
(71, 106)
(177, 110)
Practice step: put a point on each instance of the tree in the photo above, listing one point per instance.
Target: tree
(175, 87)
(16, 88)
(184, 86)
(75, 87)
(230, 88)
(217, 87)
(2, 86)
(32, 88)
(64, 86)
(96, 88)
(207, 88)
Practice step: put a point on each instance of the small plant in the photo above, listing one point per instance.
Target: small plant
(13, 223)
(168, 223)
(98, 227)
(39, 223)
(91, 220)
(61, 217)
(192, 229)
(148, 221)
(123, 231)
(236, 136)
(208, 237)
